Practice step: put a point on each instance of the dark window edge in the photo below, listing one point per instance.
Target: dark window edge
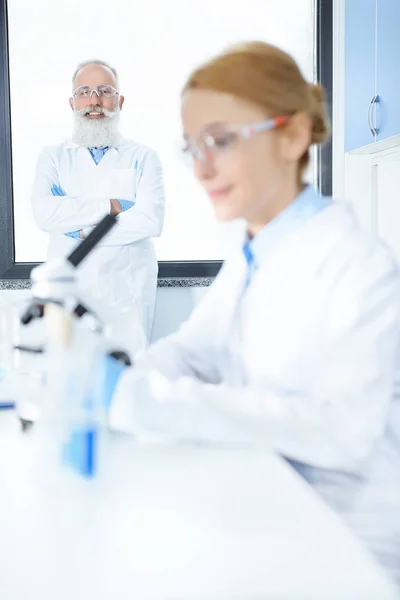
(324, 69)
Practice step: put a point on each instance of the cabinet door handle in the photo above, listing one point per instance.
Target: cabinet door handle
(370, 115)
(375, 101)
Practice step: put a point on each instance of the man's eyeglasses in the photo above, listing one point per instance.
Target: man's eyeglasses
(102, 91)
(207, 145)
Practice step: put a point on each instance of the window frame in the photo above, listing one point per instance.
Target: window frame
(12, 270)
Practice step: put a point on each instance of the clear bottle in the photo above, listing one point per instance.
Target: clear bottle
(73, 411)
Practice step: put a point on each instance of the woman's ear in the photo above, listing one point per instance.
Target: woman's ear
(296, 137)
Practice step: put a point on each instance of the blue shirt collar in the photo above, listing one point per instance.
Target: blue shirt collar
(306, 205)
(98, 153)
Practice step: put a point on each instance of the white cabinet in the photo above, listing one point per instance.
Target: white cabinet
(386, 201)
(372, 186)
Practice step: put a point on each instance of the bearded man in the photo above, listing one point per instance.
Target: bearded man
(99, 172)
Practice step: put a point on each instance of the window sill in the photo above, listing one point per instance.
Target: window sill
(25, 284)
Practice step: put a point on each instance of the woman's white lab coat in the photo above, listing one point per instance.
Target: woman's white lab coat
(122, 271)
(303, 361)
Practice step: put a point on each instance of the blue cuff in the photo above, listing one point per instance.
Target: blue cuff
(57, 191)
(73, 234)
(112, 372)
(125, 204)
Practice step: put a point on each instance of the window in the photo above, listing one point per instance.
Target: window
(154, 46)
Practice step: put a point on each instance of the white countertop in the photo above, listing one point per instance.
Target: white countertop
(171, 522)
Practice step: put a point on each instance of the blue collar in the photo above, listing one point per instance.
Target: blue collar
(98, 153)
(305, 206)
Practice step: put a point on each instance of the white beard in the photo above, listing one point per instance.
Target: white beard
(94, 133)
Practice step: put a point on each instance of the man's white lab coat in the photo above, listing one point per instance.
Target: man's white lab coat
(122, 271)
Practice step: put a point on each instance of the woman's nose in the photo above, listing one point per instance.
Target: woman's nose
(203, 166)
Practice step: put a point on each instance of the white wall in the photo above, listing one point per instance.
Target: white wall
(173, 306)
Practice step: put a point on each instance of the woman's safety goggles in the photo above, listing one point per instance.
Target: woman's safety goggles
(207, 145)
